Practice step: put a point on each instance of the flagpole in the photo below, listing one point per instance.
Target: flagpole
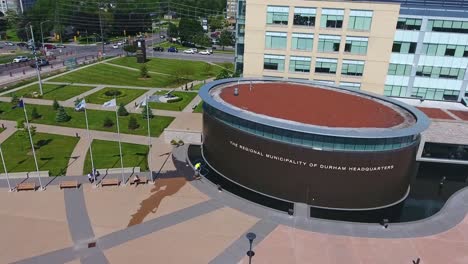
(90, 146)
(41, 188)
(149, 140)
(6, 172)
(120, 145)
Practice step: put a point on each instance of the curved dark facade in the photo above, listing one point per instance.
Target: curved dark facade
(311, 165)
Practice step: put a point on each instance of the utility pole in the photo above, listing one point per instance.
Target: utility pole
(42, 35)
(102, 32)
(35, 57)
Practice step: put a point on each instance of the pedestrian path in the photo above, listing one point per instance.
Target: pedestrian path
(189, 108)
(78, 157)
(134, 104)
(10, 130)
(133, 69)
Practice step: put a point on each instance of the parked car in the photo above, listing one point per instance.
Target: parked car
(22, 44)
(190, 51)
(204, 52)
(115, 46)
(172, 49)
(60, 46)
(162, 37)
(40, 63)
(49, 46)
(9, 44)
(120, 43)
(20, 59)
(158, 49)
(215, 34)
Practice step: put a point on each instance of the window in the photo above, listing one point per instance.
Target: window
(360, 20)
(302, 41)
(277, 15)
(435, 94)
(304, 16)
(445, 50)
(399, 69)
(447, 26)
(273, 62)
(299, 64)
(409, 23)
(355, 45)
(275, 40)
(329, 43)
(440, 72)
(332, 18)
(395, 90)
(352, 68)
(325, 82)
(404, 47)
(323, 65)
(350, 85)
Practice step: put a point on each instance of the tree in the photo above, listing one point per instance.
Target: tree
(226, 39)
(35, 114)
(172, 30)
(202, 40)
(132, 123)
(189, 28)
(61, 115)
(215, 22)
(122, 111)
(144, 71)
(147, 112)
(14, 100)
(108, 122)
(129, 49)
(55, 105)
(223, 74)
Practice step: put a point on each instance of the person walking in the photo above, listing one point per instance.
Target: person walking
(90, 178)
(136, 180)
(197, 171)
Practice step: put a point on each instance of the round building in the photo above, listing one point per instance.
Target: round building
(306, 142)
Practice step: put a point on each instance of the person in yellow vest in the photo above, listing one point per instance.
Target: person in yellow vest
(197, 170)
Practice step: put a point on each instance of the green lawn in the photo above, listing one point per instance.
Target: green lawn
(53, 91)
(95, 118)
(199, 108)
(2, 129)
(167, 44)
(198, 86)
(187, 97)
(227, 65)
(52, 155)
(191, 70)
(106, 155)
(11, 35)
(125, 97)
(108, 74)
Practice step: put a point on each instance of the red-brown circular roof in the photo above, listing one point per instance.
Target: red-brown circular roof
(314, 106)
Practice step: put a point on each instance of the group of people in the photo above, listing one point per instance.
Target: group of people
(92, 176)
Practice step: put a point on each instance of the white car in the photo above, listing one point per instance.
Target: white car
(204, 52)
(20, 59)
(190, 51)
(120, 43)
(115, 46)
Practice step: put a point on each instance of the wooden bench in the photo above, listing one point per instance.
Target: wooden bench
(69, 184)
(26, 186)
(108, 182)
(143, 180)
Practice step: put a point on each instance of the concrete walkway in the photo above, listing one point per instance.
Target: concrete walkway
(133, 69)
(189, 108)
(10, 130)
(137, 101)
(77, 160)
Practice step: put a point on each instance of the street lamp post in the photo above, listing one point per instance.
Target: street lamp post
(42, 35)
(250, 236)
(102, 32)
(35, 58)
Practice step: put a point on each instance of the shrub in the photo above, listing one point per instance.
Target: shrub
(112, 93)
(144, 71)
(61, 115)
(14, 100)
(108, 122)
(174, 142)
(35, 114)
(132, 123)
(181, 142)
(147, 112)
(20, 124)
(55, 105)
(175, 100)
(122, 111)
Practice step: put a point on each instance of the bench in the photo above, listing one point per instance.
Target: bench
(26, 186)
(143, 180)
(69, 184)
(108, 182)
